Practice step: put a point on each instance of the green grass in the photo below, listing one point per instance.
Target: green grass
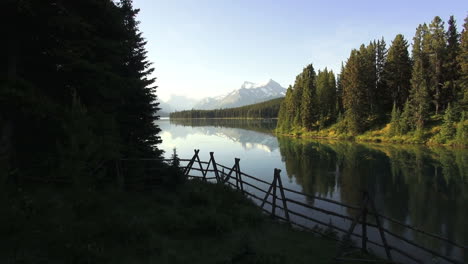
(430, 135)
(195, 223)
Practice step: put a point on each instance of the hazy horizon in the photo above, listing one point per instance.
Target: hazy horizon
(208, 48)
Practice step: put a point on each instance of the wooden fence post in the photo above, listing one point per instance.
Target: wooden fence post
(347, 236)
(283, 197)
(236, 160)
(364, 224)
(381, 231)
(275, 180)
(215, 167)
(239, 175)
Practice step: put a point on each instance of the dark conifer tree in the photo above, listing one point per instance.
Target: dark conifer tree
(339, 91)
(296, 102)
(308, 103)
(355, 102)
(419, 95)
(397, 71)
(451, 65)
(462, 59)
(326, 94)
(383, 102)
(435, 47)
(138, 111)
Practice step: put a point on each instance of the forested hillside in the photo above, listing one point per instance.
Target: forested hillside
(417, 98)
(268, 109)
(75, 89)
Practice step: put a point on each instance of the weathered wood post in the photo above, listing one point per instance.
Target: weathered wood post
(201, 167)
(239, 175)
(283, 197)
(275, 180)
(236, 165)
(347, 237)
(215, 167)
(365, 197)
(381, 231)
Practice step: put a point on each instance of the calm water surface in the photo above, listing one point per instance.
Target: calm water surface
(426, 187)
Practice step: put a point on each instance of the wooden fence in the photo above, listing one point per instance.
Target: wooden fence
(233, 176)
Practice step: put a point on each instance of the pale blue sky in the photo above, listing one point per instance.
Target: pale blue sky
(209, 47)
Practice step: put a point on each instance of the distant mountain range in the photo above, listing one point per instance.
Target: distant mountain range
(248, 93)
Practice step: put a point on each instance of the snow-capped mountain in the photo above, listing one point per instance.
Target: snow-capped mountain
(248, 93)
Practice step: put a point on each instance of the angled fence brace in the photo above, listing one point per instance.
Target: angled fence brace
(190, 164)
(201, 167)
(381, 231)
(269, 190)
(228, 176)
(363, 214)
(274, 184)
(347, 237)
(215, 167)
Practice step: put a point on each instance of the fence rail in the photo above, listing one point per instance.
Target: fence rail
(233, 178)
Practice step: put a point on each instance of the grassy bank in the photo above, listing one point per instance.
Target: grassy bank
(432, 134)
(194, 223)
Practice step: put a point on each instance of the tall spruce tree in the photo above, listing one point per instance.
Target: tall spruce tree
(436, 52)
(339, 91)
(296, 102)
(332, 96)
(326, 94)
(383, 102)
(355, 101)
(139, 108)
(397, 71)
(368, 76)
(309, 97)
(451, 65)
(419, 94)
(286, 112)
(462, 59)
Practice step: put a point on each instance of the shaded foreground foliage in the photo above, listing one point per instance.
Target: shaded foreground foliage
(196, 223)
(76, 90)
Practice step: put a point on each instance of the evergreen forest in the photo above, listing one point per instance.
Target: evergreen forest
(387, 93)
(267, 109)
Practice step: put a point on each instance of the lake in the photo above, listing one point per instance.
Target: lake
(426, 187)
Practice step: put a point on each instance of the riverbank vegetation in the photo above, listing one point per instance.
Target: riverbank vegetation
(196, 222)
(267, 109)
(387, 95)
